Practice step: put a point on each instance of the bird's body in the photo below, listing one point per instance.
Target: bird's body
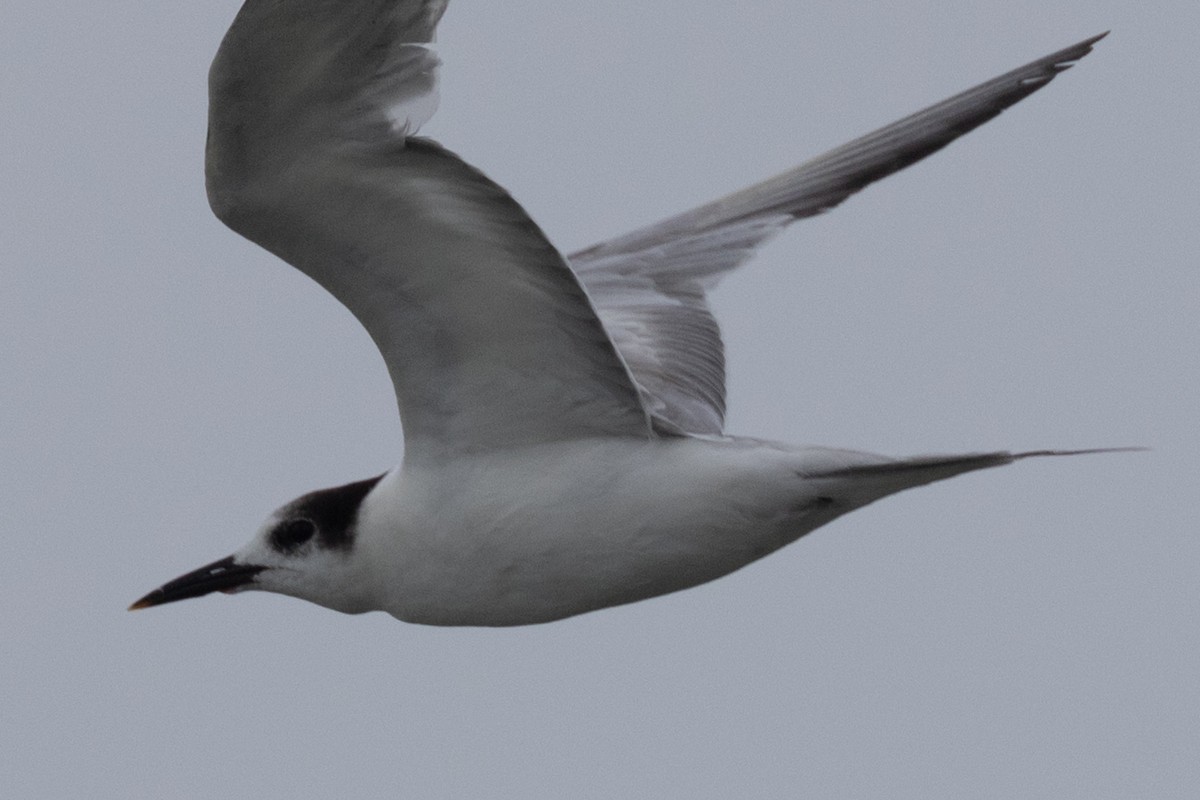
(563, 416)
(534, 534)
(547, 531)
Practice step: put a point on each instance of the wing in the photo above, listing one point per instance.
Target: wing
(649, 286)
(487, 334)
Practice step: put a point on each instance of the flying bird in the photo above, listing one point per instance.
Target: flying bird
(563, 416)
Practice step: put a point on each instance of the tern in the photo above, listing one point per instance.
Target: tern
(563, 416)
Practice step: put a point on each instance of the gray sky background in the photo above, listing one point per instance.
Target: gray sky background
(1027, 632)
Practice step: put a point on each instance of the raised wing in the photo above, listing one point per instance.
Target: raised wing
(487, 334)
(649, 286)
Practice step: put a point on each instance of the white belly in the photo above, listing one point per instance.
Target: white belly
(542, 533)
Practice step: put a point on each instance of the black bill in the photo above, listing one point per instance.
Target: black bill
(223, 576)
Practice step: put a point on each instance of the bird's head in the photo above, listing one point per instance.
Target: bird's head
(305, 549)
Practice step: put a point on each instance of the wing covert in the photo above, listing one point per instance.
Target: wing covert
(649, 286)
(487, 334)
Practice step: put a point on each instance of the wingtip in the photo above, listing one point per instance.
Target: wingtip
(1087, 44)
(1087, 452)
(1067, 57)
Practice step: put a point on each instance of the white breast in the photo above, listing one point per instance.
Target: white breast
(544, 532)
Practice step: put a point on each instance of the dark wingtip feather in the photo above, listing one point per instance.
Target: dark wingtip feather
(1089, 452)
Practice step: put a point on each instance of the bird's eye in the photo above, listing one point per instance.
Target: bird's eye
(292, 533)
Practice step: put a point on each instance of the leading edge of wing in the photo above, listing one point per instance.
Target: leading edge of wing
(649, 286)
(823, 182)
(488, 336)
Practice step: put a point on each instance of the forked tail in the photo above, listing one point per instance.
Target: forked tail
(875, 480)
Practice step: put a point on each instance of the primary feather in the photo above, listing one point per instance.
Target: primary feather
(650, 286)
(560, 418)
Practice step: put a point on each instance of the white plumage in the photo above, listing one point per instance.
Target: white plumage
(563, 417)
